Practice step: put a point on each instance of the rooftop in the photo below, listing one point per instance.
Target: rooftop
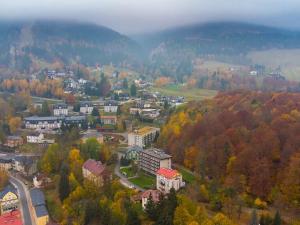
(145, 130)
(8, 188)
(154, 193)
(167, 173)
(111, 103)
(37, 197)
(157, 153)
(41, 210)
(60, 105)
(11, 218)
(95, 167)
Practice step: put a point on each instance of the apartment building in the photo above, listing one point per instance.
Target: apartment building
(152, 159)
(143, 137)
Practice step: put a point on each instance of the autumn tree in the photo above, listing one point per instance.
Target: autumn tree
(3, 178)
(14, 124)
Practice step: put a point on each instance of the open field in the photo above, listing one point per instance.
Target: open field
(287, 59)
(189, 94)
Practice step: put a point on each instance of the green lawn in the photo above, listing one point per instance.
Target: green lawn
(144, 181)
(128, 171)
(187, 176)
(189, 94)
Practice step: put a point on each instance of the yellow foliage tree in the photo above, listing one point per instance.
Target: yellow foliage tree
(14, 123)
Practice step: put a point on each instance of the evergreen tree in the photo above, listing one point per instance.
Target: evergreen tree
(132, 217)
(133, 90)
(64, 187)
(150, 208)
(125, 83)
(45, 109)
(95, 112)
(103, 85)
(277, 219)
(253, 220)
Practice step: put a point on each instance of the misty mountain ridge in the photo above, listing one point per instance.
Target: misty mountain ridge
(23, 42)
(65, 41)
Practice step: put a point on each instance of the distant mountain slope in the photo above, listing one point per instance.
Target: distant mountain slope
(171, 52)
(66, 41)
(224, 37)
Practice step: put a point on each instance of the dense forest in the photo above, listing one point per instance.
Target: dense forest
(245, 141)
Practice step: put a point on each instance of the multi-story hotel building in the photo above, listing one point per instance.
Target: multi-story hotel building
(143, 137)
(152, 159)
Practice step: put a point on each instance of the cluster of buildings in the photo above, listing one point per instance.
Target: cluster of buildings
(157, 162)
(145, 109)
(153, 161)
(26, 165)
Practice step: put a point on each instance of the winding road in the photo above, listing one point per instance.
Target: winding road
(123, 179)
(24, 200)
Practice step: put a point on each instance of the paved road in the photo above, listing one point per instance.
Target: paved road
(123, 179)
(23, 199)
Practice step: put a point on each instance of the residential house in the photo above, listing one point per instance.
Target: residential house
(108, 120)
(60, 109)
(111, 106)
(95, 171)
(13, 141)
(45, 122)
(53, 122)
(132, 152)
(154, 194)
(86, 107)
(168, 178)
(11, 218)
(80, 121)
(6, 163)
(143, 137)
(26, 165)
(9, 200)
(38, 138)
(93, 134)
(41, 180)
(150, 160)
(35, 137)
(38, 206)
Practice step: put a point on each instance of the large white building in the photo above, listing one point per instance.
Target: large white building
(143, 137)
(60, 110)
(167, 178)
(111, 107)
(86, 107)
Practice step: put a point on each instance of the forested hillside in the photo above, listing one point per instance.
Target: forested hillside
(21, 43)
(172, 51)
(246, 141)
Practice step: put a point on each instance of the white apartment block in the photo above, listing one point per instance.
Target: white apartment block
(143, 137)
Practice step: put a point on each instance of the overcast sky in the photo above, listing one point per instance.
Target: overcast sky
(138, 16)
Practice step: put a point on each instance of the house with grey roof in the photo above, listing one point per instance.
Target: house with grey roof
(38, 206)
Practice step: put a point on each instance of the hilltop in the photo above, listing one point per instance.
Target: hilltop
(24, 42)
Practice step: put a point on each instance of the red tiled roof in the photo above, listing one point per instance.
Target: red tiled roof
(155, 194)
(95, 167)
(11, 218)
(167, 173)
